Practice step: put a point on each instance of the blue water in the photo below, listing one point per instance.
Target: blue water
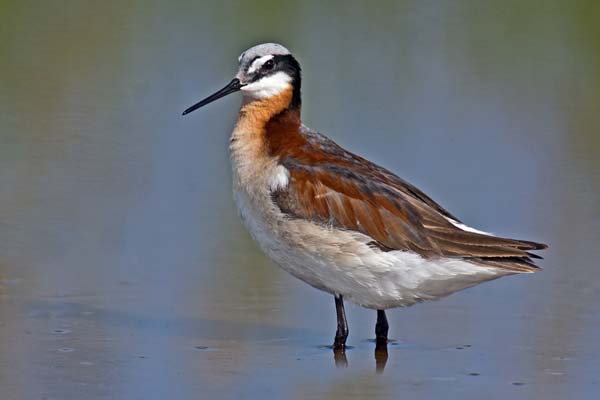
(125, 273)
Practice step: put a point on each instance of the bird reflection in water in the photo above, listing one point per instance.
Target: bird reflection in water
(381, 356)
(339, 356)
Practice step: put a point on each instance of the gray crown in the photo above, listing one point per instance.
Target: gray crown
(261, 50)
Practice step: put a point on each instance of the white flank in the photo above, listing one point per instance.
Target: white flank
(467, 228)
(268, 86)
(258, 63)
(341, 262)
(279, 179)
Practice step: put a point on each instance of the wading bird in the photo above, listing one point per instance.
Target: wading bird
(336, 220)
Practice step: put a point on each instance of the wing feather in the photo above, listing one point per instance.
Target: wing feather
(331, 186)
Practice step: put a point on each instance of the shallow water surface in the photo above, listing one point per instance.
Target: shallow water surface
(125, 273)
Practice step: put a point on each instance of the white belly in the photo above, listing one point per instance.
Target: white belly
(340, 262)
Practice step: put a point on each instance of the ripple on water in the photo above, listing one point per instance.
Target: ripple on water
(556, 373)
(330, 347)
(204, 348)
(66, 350)
(463, 346)
(61, 331)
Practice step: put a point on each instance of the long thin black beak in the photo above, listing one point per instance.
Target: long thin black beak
(231, 87)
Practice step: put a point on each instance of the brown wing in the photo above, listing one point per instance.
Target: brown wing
(371, 200)
(331, 153)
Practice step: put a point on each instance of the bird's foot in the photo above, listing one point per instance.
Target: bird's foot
(339, 343)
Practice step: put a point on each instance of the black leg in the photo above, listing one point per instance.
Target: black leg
(381, 341)
(341, 334)
(381, 329)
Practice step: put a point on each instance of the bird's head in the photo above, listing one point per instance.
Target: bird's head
(265, 71)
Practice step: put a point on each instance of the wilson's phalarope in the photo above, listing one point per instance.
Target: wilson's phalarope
(339, 222)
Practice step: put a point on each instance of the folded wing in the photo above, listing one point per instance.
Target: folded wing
(345, 191)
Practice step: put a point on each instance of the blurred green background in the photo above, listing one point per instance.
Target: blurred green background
(125, 273)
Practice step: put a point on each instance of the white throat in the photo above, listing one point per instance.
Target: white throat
(268, 86)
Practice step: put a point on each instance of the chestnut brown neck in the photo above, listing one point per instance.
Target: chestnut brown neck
(282, 132)
(272, 122)
(255, 114)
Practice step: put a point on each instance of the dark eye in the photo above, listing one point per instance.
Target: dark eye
(268, 65)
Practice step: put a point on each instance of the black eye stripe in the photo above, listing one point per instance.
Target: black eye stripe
(268, 65)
